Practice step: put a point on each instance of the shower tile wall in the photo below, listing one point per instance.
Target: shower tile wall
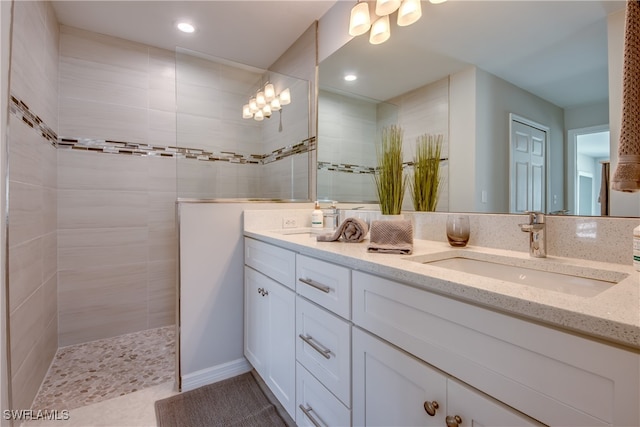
(32, 233)
(116, 212)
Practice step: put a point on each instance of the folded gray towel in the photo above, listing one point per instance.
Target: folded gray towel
(391, 237)
(352, 230)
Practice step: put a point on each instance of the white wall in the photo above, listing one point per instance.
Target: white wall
(211, 289)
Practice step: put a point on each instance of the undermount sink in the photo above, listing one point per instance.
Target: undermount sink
(540, 273)
(305, 230)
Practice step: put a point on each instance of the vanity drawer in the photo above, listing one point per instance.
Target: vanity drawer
(326, 284)
(272, 261)
(323, 346)
(553, 376)
(317, 402)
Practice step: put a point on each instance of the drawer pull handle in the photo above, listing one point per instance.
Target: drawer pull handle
(431, 407)
(325, 352)
(453, 420)
(307, 412)
(263, 291)
(319, 286)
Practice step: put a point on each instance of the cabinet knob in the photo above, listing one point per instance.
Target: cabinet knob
(431, 407)
(453, 420)
(260, 290)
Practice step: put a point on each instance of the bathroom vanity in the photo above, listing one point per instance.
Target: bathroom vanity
(346, 337)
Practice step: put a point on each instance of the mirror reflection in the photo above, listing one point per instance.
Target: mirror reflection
(519, 91)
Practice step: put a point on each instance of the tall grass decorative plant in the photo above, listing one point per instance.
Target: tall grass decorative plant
(425, 183)
(389, 177)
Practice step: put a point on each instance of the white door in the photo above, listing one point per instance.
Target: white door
(392, 388)
(467, 407)
(527, 168)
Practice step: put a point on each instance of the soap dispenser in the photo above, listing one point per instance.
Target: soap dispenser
(317, 220)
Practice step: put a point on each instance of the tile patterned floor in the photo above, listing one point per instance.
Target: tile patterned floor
(92, 372)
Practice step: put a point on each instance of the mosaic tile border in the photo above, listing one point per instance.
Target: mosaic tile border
(22, 111)
(358, 169)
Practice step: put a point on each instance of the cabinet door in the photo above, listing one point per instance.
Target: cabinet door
(468, 407)
(280, 374)
(269, 339)
(255, 311)
(392, 388)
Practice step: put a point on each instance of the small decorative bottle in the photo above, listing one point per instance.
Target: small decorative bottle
(317, 219)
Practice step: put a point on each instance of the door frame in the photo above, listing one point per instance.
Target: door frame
(571, 177)
(547, 130)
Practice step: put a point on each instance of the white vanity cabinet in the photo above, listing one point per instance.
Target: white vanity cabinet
(269, 320)
(323, 349)
(551, 376)
(393, 388)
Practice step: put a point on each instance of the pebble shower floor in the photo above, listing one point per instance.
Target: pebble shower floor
(91, 372)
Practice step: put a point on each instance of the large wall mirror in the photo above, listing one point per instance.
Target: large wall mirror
(490, 77)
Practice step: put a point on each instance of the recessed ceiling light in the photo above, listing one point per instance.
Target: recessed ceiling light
(350, 77)
(185, 27)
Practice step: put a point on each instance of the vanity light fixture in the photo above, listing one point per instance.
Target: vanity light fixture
(185, 27)
(360, 21)
(409, 11)
(265, 102)
(380, 30)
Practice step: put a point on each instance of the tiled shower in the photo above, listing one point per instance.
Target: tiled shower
(104, 135)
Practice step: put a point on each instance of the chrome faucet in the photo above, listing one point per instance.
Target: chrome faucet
(537, 234)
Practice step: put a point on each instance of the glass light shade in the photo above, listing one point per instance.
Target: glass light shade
(386, 7)
(285, 97)
(267, 110)
(260, 99)
(360, 21)
(275, 104)
(269, 92)
(253, 105)
(380, 31)
(259, 115)
(410, 11)
(246, 112)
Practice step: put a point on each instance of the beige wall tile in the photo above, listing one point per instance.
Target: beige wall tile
(49, 210)
(49, 345)
(50, 302)
(105, 83)
(91, 46)
(78, 170)
(162, 80)
(101, 302)
(101, 247)
(88, 119)
(161, 173)
(162, 293)
(26, 326)
(25, 271)
(25, 212)
(162, 128)
(25, 158)
(25, 381)
(101, 209)
(163, 242)
(49, 164)
(49, 255)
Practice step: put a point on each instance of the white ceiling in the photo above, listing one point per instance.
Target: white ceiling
(254, 33)
(555, 49)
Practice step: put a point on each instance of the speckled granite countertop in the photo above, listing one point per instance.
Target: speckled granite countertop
(612, 315)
